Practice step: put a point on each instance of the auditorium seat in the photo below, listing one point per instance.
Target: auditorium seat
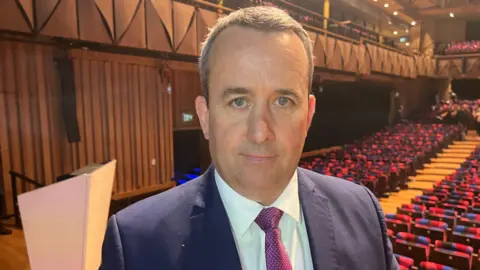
(470, 220)
(398, 222)
(446, 215)
(433, 229)
(433, 266)
(405, 263)
(413, 246)
(413, 210)
(452, 254)
(469, 236)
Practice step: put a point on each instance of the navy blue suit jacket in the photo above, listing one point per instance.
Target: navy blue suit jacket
(187, 228)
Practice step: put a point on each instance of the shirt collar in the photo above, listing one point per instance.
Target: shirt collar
(242, 211)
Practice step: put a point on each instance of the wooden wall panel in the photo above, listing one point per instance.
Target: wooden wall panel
(352, 64)
(93, 25)
(189, 44)
(158, 37)
(163, 8)
(11, 17)
(185, 88)
(61, 21)
(205, 19)
(319, 51)
(123, 112)
(135, 33)
(183, 15)
(334, 55)
(124, 12)
(364, 62)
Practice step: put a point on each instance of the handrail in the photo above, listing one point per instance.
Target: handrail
(13, 179)
(322, 16)
(457, 55)
(324, 31)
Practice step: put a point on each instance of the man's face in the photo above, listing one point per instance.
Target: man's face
(259, 107)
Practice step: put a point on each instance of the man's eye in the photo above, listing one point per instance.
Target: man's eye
(283, 101)
(239, 103)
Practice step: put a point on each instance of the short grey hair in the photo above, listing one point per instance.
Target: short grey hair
(268, 19)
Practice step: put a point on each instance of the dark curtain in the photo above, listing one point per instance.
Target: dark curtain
(466, 89)
(347, 111)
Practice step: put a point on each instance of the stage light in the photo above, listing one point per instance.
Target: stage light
(386, 5)
(452, 15)
(395, 13)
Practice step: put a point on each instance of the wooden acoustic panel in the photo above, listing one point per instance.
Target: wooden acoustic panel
(62, 19)
(11, 17)
(135, 33)
(334, 55)
(443, 67)
(351, 65)
(184, 28)
(205, 20)
(124, 12)
(319, 51)
(163, 9)
(345, 48)
(27, 7)
(473, 67)
(105, 8)
(364, 63)
(375, 59)
(93, 23)
(158, 37)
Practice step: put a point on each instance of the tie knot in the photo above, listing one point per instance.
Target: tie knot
(269, 218)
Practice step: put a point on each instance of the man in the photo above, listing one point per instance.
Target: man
(253, 208)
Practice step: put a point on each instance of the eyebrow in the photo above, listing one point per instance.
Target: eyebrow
(234, 91)
(243, 91)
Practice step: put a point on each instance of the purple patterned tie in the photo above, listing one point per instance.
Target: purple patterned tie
(275, 254)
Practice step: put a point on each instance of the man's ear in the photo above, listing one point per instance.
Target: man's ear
(202, 113)
(311, 109)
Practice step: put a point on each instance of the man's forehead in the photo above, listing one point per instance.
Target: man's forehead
(237, 37)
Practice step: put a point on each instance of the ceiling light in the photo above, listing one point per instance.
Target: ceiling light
(375, 0)
(386, 5)
(406, 31)
(389, 22)
(452, 15)
(395, 32)
(395, 13)
(407, 44)
(414, 23)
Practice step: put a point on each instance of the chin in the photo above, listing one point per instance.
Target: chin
(261, 177)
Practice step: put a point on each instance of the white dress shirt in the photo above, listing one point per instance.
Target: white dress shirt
(250, 239)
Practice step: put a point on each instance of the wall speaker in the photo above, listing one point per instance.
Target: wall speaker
(68, 98)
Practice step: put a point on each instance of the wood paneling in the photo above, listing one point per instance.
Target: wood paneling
(11, 17)
(123, 111)
(185, 87)
(93, 26)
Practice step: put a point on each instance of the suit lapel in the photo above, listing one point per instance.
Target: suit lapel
(212, 231)
(319, 224)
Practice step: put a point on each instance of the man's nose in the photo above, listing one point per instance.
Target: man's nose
(259, 124)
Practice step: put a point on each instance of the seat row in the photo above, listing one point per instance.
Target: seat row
(384, 161)
(441, 226)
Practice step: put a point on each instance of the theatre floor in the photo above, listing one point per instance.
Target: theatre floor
(13, 252)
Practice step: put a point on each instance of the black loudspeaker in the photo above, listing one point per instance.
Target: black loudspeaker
(68, 98)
